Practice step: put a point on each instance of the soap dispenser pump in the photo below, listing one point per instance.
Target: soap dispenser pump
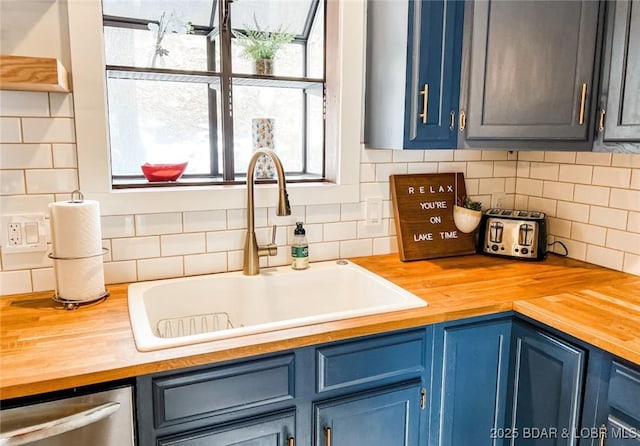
(299, 248)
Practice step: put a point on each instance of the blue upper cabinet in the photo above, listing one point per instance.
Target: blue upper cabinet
(413, 73)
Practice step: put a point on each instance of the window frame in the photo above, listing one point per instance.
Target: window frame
(344, 104)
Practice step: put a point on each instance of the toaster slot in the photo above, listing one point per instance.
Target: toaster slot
(496, 232)
(525, 235)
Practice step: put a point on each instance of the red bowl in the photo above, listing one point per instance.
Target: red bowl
(163, 172)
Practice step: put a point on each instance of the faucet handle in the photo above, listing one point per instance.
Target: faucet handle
(271, 249)
(273, 234)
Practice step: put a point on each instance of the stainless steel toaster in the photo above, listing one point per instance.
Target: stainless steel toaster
(513, 233)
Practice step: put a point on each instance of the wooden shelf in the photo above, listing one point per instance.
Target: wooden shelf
(32, 74)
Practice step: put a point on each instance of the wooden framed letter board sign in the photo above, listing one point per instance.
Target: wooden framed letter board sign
(423, 212)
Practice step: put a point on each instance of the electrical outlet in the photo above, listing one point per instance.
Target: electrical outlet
(14, 234)
(498, 200)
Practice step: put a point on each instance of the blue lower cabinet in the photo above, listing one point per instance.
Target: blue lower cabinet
(269, 431)
(473, 386)
(546, 389)
(389, 417)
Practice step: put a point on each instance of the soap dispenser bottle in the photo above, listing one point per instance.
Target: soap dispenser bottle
(299, 248)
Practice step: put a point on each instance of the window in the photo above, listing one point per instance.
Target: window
(181, 86)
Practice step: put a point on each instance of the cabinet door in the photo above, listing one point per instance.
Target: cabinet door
(531, 69)
(475, 368)
(383, 418)
(433, 77)
(272, 431)
(622, 121)
(546, 389)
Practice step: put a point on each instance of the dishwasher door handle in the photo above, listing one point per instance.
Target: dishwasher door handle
(61, 425)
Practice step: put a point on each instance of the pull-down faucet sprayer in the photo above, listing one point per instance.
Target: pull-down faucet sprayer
(253, 251)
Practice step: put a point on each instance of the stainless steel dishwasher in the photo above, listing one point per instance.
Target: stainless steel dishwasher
(103, 418)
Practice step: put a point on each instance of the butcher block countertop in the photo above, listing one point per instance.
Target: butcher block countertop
(45, 348)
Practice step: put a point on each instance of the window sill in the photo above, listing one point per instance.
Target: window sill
(197, 198)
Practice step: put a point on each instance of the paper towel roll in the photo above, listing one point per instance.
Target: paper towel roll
(79, 280)
(77, 250)
(75, 229)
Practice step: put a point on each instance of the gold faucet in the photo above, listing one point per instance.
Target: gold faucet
(252, 251)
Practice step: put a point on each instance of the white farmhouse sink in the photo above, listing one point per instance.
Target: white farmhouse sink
(174, 312)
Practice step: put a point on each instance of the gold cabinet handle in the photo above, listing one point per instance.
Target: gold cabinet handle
(425, 93)
(462, 120)
(583, 103)
(452, 120)
(291, 441)
(327, 436)
(603, 435)
(601, 124)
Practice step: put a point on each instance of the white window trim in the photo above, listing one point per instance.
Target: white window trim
(89, 89)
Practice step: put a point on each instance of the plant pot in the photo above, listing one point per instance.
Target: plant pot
(264, 67)
(466, 220)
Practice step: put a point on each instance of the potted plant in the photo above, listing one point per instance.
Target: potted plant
(262, 46)
(467, 214)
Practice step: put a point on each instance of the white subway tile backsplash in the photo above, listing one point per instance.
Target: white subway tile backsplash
(472, 186)
(235, 258)
(625, 160)
(606, 257)
(495, 155)
(545, 205)
(15, 282)
(557, 190)
(426, 167)
(594, 235)
(491, 185)
(544, 171)
(225, 240)
(120, 272)
(377, 156)
(10, 130)
(323, 213)
(64, 156)
(384, 170)
(25, 156)
(352, 211)
(135, 248)
(12, 182)
(635, 179)
(611, 176)
(408, 156)
(523, 169)
(623, 241)
(374, 190)
(385, 245)
(451, 167)
(633, 222)
(596, 195)
(467, 155)
(24, 103)
(438, 155)
(43, 279)
(356, 248)
(559, 227)
(324, 251)
(367, 172)
(573, 173)
(531, 156)
(57, 181)
(560, 157)
(61, 105)
(202, 221)
(162, 268)
(625, 199)
(631, 264)
(114, 226)
(505, 169)
(182, 244)
(593, 158)
(59, 130)
(237, 218)
(510, 185)
(212, 262)
(340, 231)
(573, 211)
(608, 217)
(26, 204)
(577, 250)
(480, 169)
(155, 224)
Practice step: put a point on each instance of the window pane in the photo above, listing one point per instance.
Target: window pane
(315, 46)
(160, 122)
(285, 106)
(198, 12)
(289, 60)
(315, 133)
(271, 15)
(137, 48)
